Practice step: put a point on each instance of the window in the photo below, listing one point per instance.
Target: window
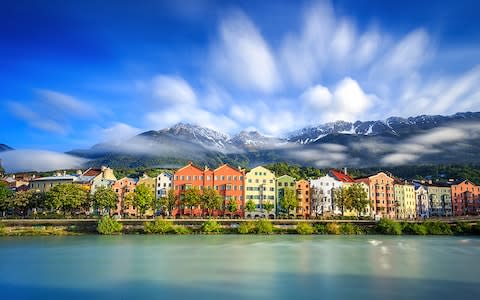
(195, 177)
(264, 181)
(182, 177)
(176, 177)
(208, 178)
(229, 177)
(201, 177)
(216, 177)
(189, 177)
(271, 180)
(256, 180)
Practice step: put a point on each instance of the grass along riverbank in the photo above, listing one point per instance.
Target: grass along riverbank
(109, 225)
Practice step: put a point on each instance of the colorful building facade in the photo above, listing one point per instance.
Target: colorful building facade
(228, 181)
(282, 183)
(381, 194)
(303, 197)
(124, 187)
(405, 200)
(260, 188)
(465, 198)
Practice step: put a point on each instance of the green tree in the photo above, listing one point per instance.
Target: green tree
(67, 198)
(359, 198)
(169, 202)
(5, 194)
(250, 206)
(342, 199)
(143, 198)
(211, 200)
(20, 202)
(192, 198)
(289, 201)
(268, 206)
(105, 199)
(232, 206)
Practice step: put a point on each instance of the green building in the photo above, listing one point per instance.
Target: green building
(282, 183)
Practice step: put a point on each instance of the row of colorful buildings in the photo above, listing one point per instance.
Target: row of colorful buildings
(388, 196)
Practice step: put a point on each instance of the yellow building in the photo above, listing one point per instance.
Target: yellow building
(405, 200)
(260, 188)
(353, 212)
(149, 183)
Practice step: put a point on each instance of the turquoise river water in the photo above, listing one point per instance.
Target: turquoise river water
(239, 267)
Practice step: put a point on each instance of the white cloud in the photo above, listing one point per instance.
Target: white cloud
(118, 133)
(190, 114)
(347, 102)
(242, 56)
(317, 97)
(35, 120)
(66, 104)
(173, 90)
(430, 142)
(343, 40)
(38, 160)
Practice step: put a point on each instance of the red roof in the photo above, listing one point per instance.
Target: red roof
(340, 176)
(92, 172)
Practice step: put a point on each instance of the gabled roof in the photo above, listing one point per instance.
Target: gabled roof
(340, 176)
(92, 172)
(229, 166)
(290, 177)
(190, 164)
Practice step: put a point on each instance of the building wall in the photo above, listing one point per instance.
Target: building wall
(354, 213)
(150, 183)
(440, 199)
(405, 200)
(465, 198)
(422, 203)
(124, 187)
(260, 187)
(44, 186)
(325, 187)
(381, 194)
(163, 185)
(282, 183)
(229, 182)
(303, 196)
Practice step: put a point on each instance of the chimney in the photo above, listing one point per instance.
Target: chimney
(345, 171)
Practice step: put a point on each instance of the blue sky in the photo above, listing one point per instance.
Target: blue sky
(74, 73)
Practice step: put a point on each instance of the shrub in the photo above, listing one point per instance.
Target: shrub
(333, 228)
(304, 228)
(159, 226)
(414, 228)
(107, 225)
(211, 226)
(437, 228)
(462, 228)
(264, 226)
(348, 228)
(246, 227)
(321, 228)
(387, 226)
(2, 229)
(180, 229)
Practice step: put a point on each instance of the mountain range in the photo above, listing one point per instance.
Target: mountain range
(4, 147)
(395, 141)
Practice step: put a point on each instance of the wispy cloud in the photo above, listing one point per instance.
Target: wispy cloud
(241, 56)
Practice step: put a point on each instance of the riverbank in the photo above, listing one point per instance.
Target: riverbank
(61, 227)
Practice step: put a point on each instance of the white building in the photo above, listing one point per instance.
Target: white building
(163, 184)
(422, 202)
(323, 189)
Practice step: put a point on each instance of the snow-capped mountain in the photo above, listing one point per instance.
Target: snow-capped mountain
(253, 140)
(337, 143)
(393, 126)
(4, 147)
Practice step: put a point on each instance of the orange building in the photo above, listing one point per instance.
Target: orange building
(381, 194)
(228, 181)
(123, 187)
(465, 198)
(303, 196)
